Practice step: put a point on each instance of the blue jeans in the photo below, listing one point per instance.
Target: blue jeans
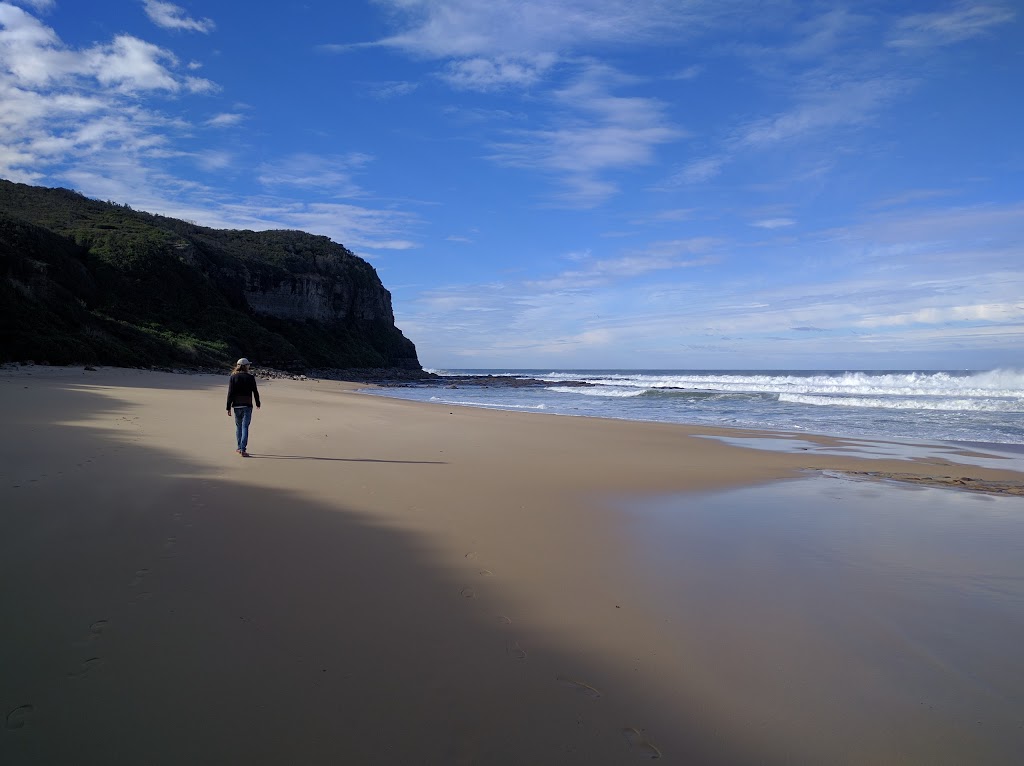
(243, 417)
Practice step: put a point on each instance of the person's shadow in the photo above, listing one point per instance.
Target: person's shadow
(268, 456)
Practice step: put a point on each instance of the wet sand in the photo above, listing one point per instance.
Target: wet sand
(402, 583)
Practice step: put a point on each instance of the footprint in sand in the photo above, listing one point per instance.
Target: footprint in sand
(639, 742)
(472, 555)
(503, 619)
(144, 596)
(140, 575)
(582, 688)
(16, 718)
(486, 573)
(89, 668)
(515, 651)
(467, 593)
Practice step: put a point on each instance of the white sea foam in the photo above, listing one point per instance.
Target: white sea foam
(621, 393)
(909, 403)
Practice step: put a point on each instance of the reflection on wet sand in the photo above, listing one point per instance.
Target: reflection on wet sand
(829, 620)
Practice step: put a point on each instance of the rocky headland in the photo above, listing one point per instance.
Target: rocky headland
(90, 282)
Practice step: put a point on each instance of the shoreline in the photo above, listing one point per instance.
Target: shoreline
(385, 581)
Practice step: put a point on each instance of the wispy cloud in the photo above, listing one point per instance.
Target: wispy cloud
(962, 22)
(840, 71)
(391, 89)
(464, 28)
(672, 215)
(329, 174)
(515, 42)
(852, 103)
(596, 131)
(773, 223)
(171, 16)
(40, 5)
(657, 256)
(697, 171)
(983, 312)
(484, 74)
(225, 119)
(690, 73)
(912, 196)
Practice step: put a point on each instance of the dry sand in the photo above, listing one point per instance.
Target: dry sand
(383, 582)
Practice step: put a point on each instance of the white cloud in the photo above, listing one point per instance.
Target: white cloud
(963, 22)
(225, 119)
(598, 132)
(984, 312)
(827, 108)
(330, 174)
(34, 57)
(657, 256)
(171, 16)
(393, 89)
(131, 64)
(81, 106)
(42, 6)
(515, 42)
(773, 223)
(485, 74)
(673, 215)
(982, 230)
(211, 160)
(690, 73)
(698, 171)
(464, 28)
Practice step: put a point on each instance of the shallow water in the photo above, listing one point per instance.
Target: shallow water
(830, 620)
(1007, 457)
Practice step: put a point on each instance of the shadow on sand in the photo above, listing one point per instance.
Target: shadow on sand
(179, 615)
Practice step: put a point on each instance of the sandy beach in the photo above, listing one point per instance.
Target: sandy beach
(391, 582)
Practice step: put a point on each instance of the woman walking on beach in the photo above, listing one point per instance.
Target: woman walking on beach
(242, 394)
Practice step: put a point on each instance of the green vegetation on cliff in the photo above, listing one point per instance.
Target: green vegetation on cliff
(95, 282)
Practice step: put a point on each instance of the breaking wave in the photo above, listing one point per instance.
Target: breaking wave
(996, 390)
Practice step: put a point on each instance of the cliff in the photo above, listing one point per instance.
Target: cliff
(95, 282)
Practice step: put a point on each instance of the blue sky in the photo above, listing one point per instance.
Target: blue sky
(574, 183)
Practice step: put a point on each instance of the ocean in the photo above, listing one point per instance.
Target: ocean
(929, 405)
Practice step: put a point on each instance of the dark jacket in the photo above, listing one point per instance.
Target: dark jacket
(242, 391)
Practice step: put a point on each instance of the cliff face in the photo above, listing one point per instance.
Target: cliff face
(317, 297)
(148, 286)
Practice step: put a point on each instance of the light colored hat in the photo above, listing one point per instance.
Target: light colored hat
(243, 362)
